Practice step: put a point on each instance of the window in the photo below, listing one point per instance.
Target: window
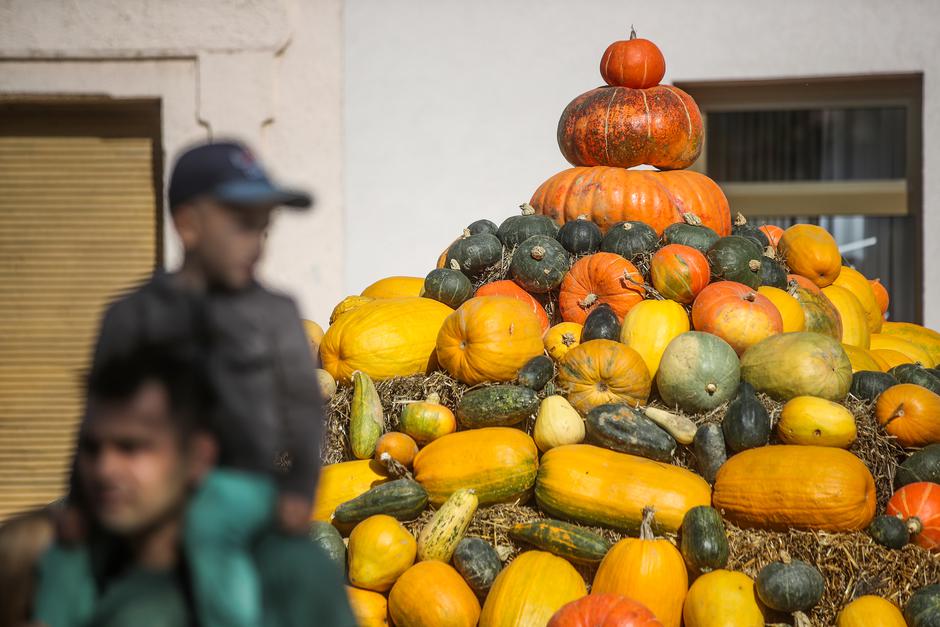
(843, 152)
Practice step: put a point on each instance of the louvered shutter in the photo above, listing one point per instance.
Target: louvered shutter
(78, 226)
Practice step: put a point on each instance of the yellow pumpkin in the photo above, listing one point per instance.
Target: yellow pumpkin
(855, 282)
(603, 371)
(380, 549)
(890, 358)
(722, 598)
(870, 611)
(369, 608)
(913, 352)
(427, 420)
(881, 361)
(433, 594)
(489, 338)
(860, 358)
(348, 304)
(314, 335)
(650, 325)
(928, 339)
(557, 424)
(854, 324)
(384, 338)
(395, 287)
(790, 310)
(816, 421)
(646, 569)
(561, 338)
(343, 482)
(810, 251)
(326, 383)
(528, 591)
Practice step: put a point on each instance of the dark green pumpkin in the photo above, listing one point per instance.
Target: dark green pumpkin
(698, 236)
(916, 374)
(867, 385)
(710, 452)
(328, 538)
(793, 587)
(745, 229)
(539, 264)
(704, 543)
(496, 406)
(483, 226)
(922, 465)
(580, 237)
(601, 324)
(516, 229)
(746, 423)
(451, 287)
(472, 254)
(772, 273)
(889, 531)
(562, 539)
(622, 428)
(736, 258)
(923, 609)
(403, 499)
(630, 239)
(536, 372)
(478, 563)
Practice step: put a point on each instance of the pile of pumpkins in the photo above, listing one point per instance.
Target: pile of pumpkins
(624, 286)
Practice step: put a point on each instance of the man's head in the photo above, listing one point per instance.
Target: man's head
(221, 202)
(142, 450)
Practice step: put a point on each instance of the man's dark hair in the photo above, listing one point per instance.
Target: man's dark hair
(184, 377)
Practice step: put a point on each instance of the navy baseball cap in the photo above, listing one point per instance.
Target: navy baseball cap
(229, 173)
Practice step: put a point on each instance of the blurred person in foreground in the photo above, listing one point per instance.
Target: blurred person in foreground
(257, 358)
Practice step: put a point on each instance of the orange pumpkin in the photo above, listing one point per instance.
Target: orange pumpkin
(611, 195)
(910, 413)
(635, 63)
(398, 445)
(512, 289)
(432, 594)
(881, 295)
(919, 505)
(427, 420)
(790, 309)
(819, 314)
(369, 608)
(604, 610)
(679, 272)
(489, 338)
(599, 278)
(736, 313)
(773, 233)
(803, 282)
(810, 251)
(561, 338)
(603, 371)
(647, 569)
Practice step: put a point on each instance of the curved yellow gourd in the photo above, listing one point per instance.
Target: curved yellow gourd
(913, 352)
(650, 325)
(854, 323)
(928, 339)
(816, 421)
(855, 282)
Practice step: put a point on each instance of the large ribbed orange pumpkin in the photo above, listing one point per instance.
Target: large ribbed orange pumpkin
(604, 610)
(919, 504)
(910, 413)
(512, 289)
(611, 195)
(489, 338)
(600, 278)
(679, 272)
(622, 127)
(603, 371)
(810, 251)
(737, 314)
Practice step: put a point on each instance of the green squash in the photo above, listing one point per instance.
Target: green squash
(562, 539)
(820, 315)
(403, 499)
(736, 258)
(703, 541)
(691, 233)
(793, 587)
(472, 254)
(698, 372)
(601, 324)
(772, 273)
(580, 237)
(539, 264)
(889, 531)
(622, 428)
(916, 374)
(517, 229)
(496, 406)
(478, 563)
(745, 229)
(922, 465)
(867, 385)
(630, 239)
(328, 538)
(448, 286)
(923, 609)
(798, 364)
(536, 372)
(710, 451)
(483, 226)
(746, 423)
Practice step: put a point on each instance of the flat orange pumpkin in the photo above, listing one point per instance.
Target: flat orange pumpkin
(603, 371)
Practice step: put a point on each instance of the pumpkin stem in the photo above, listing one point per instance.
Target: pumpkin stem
(588, 300)
(898, 413)
(433, 398)
(711, 388)
(454, 264)
(770, 252)
(527, 209)
(754, 265)
(627, 226)
(785, 556)
(691, 218)
(466, 234)
(750, 297)
(646, 526)
(739, 219)
(537, 253)
(583, 216)
(568, 339)
(914, 525)
(801, 620)
(394, 467)
(632, 32)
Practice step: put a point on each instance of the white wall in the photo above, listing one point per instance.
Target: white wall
(451, 106)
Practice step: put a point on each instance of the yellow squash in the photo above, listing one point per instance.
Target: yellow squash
(913, 352)
(890, 358)
(855, 282)
(369, 608)
(557, 424)
(314, 335)
(528, 591)
(928, 339)
(870, 611)
(881, 361)
(433, 594)
(380, 550)
(860, 358)
(854, 324)
(343, 482)
(384, 338)
(395, 287)
(650, 325)
(816, 421)
(722, 598)
(440, 535)
(790, 309)
(810, 251)
(348, 304)
(561, 338)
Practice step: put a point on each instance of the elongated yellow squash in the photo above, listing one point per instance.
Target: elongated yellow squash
(855, 330)
(913, 352)
(528, 591)
(395, 287)
(928, 339)
(441, 534)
